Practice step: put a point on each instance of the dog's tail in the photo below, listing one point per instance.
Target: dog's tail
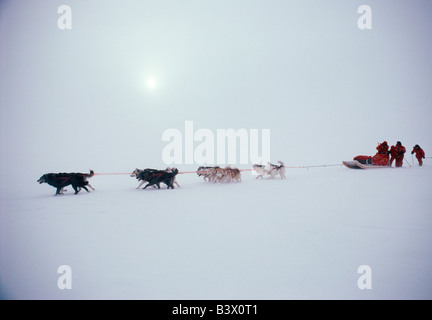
(281, 163)
(91, 174)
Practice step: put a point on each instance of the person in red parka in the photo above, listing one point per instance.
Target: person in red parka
(393, 153)
(400, 151)
(419, 154)
(381, 158)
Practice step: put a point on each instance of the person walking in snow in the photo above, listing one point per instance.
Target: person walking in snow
(393, 153)
(419, 154)
(400, 151)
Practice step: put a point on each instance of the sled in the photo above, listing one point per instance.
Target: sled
(357, 165)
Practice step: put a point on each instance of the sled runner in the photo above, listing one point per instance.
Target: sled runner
(357, 165)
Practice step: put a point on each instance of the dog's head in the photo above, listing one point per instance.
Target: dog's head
(42, 179)
(136, 172)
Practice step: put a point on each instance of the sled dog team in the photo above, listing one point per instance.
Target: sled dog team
(154, 177)
(228, 174)
(218, 174)
(271, 169)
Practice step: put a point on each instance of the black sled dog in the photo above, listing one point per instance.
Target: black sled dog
(154, 177)
(61, 180)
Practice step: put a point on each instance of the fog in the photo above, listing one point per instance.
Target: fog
(80, 98)
(101, 95)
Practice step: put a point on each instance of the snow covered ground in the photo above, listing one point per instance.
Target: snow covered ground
(300, 238)
(103, 93)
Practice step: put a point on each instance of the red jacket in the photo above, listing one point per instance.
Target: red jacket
(383, 148)
(400, 150)
(393, 151)
(419, 153)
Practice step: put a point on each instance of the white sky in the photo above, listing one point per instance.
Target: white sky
(78, 99)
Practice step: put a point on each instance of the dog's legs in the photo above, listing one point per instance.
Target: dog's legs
(91, 187)
(86, 189)
(272, 174)
(76, 189)
(152, 184)
(141, 183)
(59, 191)
(173, 181)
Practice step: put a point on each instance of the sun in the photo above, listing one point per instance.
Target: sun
(151, 83)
